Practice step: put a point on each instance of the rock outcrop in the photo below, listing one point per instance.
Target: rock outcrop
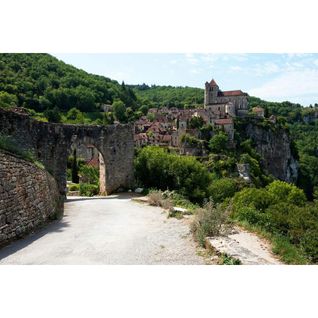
(274, 147)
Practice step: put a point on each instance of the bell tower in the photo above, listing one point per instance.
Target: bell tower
(211, 92)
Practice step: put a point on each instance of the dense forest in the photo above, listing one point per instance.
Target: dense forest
(169, 96)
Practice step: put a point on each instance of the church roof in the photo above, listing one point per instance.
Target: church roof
(213, 83)
(232, 93)
(224, 121)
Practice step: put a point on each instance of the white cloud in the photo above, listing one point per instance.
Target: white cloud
(289, 86)
(265, 69)
(195, 71)
(236, 68)
(190, 58)
(316, 62)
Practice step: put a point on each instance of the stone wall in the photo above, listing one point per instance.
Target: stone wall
(29, 197)
(52, 144)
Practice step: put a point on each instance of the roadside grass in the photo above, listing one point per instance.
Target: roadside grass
(228, 260)
(210, 220)
(287, 252)
(156, 198)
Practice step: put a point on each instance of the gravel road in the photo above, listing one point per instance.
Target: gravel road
(109, 230)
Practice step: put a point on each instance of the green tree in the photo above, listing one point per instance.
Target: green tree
(75, 177)
(156, 168)
(53, 115)
(8, 100)
(119, 110)
(286, 192)
(196, 122)
(221, 189)
(218, 143)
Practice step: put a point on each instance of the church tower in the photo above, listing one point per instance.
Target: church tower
(211, 92)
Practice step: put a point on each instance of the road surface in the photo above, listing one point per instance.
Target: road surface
(110, 230)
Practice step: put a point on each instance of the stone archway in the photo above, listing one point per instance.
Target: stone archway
(50, 144)
(93, 157)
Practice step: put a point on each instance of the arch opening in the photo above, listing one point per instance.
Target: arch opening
(86, 170)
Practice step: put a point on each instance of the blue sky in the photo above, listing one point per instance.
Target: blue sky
(274, 77)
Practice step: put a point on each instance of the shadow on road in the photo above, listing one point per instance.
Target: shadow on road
(56, 226)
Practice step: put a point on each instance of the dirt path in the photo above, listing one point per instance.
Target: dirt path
(112, 230)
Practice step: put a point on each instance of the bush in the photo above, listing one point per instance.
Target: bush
(286, 192)
(280, 210)
(156, 168)
(222, 189)
(259, 199)
(89, 174)
(155, 197)
(74, 187)
(88, 190)
(209, 221)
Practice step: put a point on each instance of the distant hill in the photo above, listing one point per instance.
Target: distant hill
(170, 96)
(41, 81)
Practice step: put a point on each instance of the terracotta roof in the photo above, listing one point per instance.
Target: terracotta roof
(232, 93)
(94, 162)
(213, 83)
(225, 121)
(166, 138)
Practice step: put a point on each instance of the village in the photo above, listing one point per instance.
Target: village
(176, 128)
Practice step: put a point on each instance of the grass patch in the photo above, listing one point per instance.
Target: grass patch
(287, 252)
(9, 144)
(229, 260)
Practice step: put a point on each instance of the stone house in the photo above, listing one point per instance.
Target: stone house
(227, 125)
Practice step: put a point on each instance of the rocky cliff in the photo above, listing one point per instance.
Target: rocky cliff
(274, 146)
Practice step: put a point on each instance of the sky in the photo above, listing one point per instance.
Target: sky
(273, 77)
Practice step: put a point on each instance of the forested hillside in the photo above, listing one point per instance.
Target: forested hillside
(40, 82)
(181, 97)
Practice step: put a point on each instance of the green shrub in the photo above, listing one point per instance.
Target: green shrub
(229, 260)
(222, 189)
(89, 174)
(286, 192)
(74, 187)
(88, 190)
(156, 168)
(280, 210)
(259, 199)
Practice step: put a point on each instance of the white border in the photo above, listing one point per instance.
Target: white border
(158, 26)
